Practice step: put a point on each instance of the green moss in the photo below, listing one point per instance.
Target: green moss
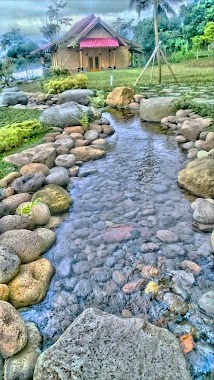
(13, 115)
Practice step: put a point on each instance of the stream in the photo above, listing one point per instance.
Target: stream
(134, 186)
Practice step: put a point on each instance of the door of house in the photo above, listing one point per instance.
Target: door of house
(94, 63)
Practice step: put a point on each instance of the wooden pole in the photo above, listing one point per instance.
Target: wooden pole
(81, 60)
(150, 59)
(155, 14)
(168, 65)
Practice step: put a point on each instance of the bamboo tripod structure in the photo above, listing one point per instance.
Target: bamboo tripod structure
(155, 52)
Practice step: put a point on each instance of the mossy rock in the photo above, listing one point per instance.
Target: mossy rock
(57, 199)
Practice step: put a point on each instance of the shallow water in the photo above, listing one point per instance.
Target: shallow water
(135, 185)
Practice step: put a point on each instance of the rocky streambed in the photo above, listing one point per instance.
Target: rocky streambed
(130, 231)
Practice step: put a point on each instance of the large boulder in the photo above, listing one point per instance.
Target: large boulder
(198, 177)
(120, 97)
(31, 284)
(155, 109)
(55, 197)
(43, 153)
(203, 211)
(64, 115)
(86, 153)
(9, 264)
(101, 346)
(81, 96)
(21, 366)
(191, 129)
(13, 332)
(10, 89)
(13, 98)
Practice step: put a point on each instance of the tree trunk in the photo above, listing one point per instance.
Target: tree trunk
(155, 15)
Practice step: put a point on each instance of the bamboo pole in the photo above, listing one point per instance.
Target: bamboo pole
(168, 64)
(150, 59)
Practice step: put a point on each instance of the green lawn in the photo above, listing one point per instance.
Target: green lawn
(187, 72)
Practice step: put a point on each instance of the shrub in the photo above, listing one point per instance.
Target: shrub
(12, 115)
(99, 100)
(13, 135)
(56, 71)
(56, 86)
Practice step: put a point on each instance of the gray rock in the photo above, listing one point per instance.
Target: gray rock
(191, 129)
(64, 115)
(1, 368)
(9, 264)
(203, 211)
(101, 346)
(86, 153)
(167, 236)
(83, 288)
(155, 109)
(16, 222)
(11, 203)
(21, 366)
(59, 178)
(28, 183)
(60, 169)
(10, 89)
(91, 135)
(13, 98)
(175, 303)
(66, 143)
(65, 160)
(206, 303)
(43, 153)
(80, 96)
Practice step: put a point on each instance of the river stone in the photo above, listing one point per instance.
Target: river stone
(175, 303)
(167, 236)
(31, 284)
(13, 98)
(75, 129)
(101, 346)
(100, 143)
(191, 129)
(43, 153)
(202, 153)
(86, 153)
(16, 222)
(76, 136)
(26, 244)
(155, 109)
(79, 142)
(91, 135)
(21, 366)
(134, 106)
(118, 233)
(204, 145)
(65, 143)
(64, 115)
(10, 89)
(206, 303)
(14, 201)
(9, 178)
(4, 293)
(65, 160)
(198, 177)
(57, 199)
(13, 332)
(107, 129)
(48, 238)
(59, 178)
(33, 168)
(203, 211)
(120, 97)
(73, 172)
(39, 213)
(96, 127)
(28, 183)
(212, 240)
(81, 96)
(9, 264)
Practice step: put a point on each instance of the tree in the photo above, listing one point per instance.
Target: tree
(122, 27)
(10, 39)
(159, 7)
(53, 21)
(6, 70)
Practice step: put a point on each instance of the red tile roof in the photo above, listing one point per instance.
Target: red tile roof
(98, 42)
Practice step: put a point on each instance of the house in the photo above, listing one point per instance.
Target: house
(91, 45)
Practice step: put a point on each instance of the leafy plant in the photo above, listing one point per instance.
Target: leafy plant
(59, 85)
(12, 115)
(99, 100)
(27, 209)
(56, 71)
(84, 121)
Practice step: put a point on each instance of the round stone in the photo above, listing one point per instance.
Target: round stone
(9, 263)
(33, 168)
(65, 160)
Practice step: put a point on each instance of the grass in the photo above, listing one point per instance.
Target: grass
(13, 115)
(187, 72)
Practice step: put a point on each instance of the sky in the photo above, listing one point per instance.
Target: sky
(29, 15)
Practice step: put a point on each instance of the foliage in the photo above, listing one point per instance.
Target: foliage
(56, 71)
(21, 54)
(10, 39)
(99, 100)
(13, 135)
(6, 70)
(9, 115)
(59, 85)
(53, 21)
(123, 27)
(27, 209)
(84, 120)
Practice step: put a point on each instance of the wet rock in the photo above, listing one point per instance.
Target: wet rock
(21, 365)
(212, 240)
(39, 213)
(149, 271)
(16, 222)
(74, 171)
(206, 303)
(83, 288)
(55, 197)
(180, 139)
(112, 338)
(31, 284)
(203, 211)
(119, 277)
(13, 331)
(167, 236)
(198, 177)
(120, 97)
(59, 178)
(202, 153)
(28, 183)
(134, 106)
(188, 145)
(132, 287)
(192, 153)
(183, 278)
(91, 135)
(33, 168)
(65, 160)
(48, 238)
(108, 130)
(14, 201)
(87, 153)
(155, 109)
(96, 127)
(4, 294)
(194, 267)
(26, 244)
(81, 267)
(86, 173)
(175, 303)
(9, 264)
(118, 233)
(53, 223)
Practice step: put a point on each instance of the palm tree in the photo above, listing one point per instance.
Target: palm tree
(159, 7)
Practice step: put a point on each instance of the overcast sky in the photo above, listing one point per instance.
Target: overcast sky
(29, 15)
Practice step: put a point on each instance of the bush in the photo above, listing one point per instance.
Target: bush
(12, 115)
(99, 100)
(56, 71)
(56, 86)
(14, 135)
